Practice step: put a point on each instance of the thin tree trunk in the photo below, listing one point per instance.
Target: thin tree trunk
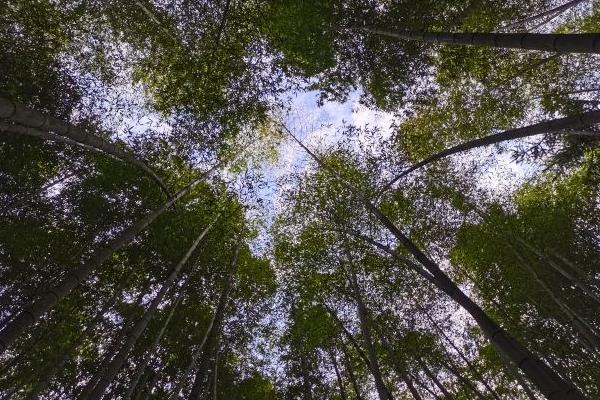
(382, 390)
(517, 374)
(427, 388)
(117, 362)
(461, 355)
(114, 347)
(554, 12)
(74, 278)
(338, 375)
(563, 43)
(42, 385)
(559, 269)
(306, 386)
(141, 368)
(215, 377)
(350, 338)
(580, 324)
(555, 126)
(466, 382)
(547, 380)
(21, 201)
(39, 121)
(350, 371)
(214, 329)
(434, 378)
(568, 262)
(151, 385)
(399, 368)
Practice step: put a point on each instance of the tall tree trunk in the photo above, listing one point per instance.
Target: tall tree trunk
(114, 346)
(581, 325)
(399, 368)
(434, 378)
(141, 368)
(555, 126)
(547, 381)
(36, 309)
(423, 385)
(214, 330)
(338, 375)
(350, 372)
(151, 384)
(574, 280)
(465, 381)
(563, 43)
(363, 317)
(39, 123)
(306, 386)
(461, 355)
(117, 362)
(215, 376)
(65, 355)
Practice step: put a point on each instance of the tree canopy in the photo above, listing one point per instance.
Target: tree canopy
(299, 200)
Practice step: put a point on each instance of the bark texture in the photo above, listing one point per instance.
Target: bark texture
(42, 123)
(563, 43)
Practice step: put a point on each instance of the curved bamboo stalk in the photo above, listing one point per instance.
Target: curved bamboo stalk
(141, 368)
(40, 123)
(556, 126)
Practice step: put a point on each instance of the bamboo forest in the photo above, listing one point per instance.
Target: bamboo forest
(299, 199)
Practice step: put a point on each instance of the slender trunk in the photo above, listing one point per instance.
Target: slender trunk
(117, 362)
(517, 374)
(38, 121)
(427, 388)
(141, 368)
(555, 126)
(399, 368)
(74, 278)
(461, 355)
(553, 12)
(214, 329)
(350, 338)
(580, 325)
(563, 43)
(338, 375)
(64, 357)
(114, 347)
(434, 378)
(142, 385)
(350, 371)
(466, 382)
(306, 386)
(576, 282)
(363, 317)
(15, 204)
(215, 377)
(547, 381)
(151, 383)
